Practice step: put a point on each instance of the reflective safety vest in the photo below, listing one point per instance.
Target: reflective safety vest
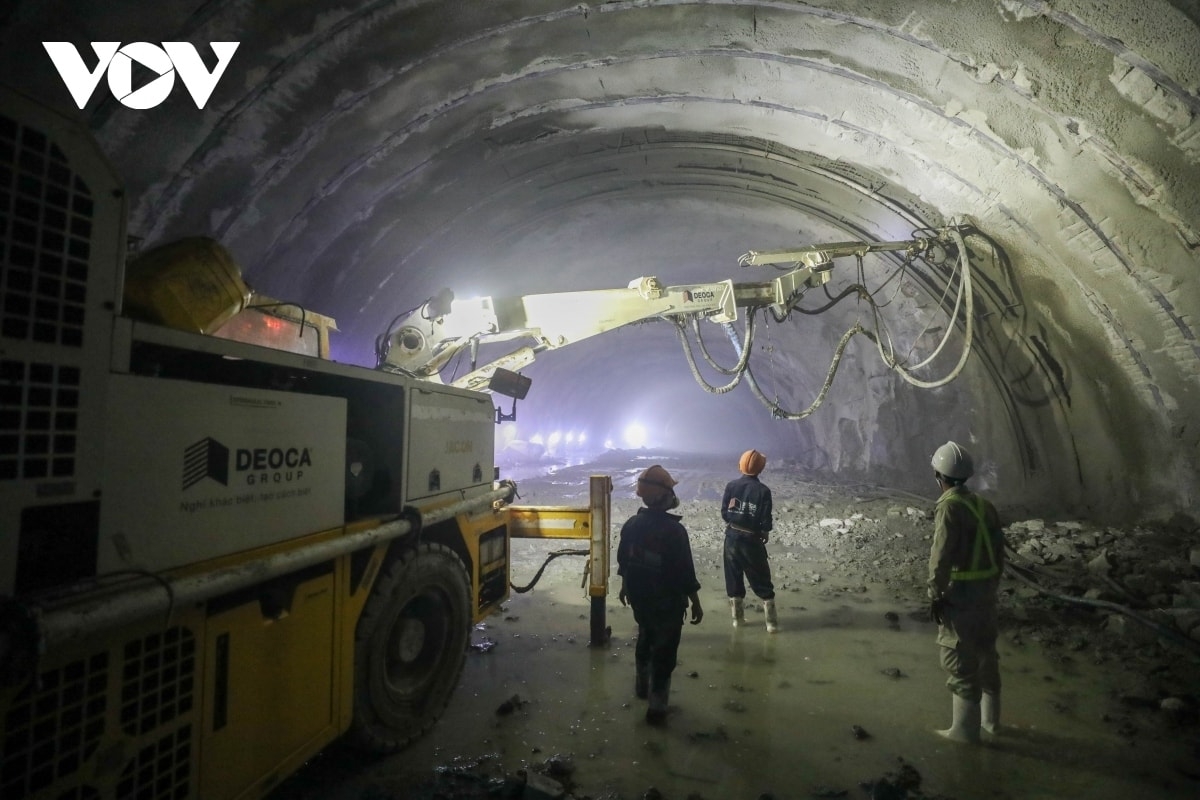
(983, 541)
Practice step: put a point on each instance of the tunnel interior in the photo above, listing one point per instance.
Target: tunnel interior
(357, 158)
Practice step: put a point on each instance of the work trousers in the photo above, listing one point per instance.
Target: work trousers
(967, 639)
(658, 647)
(746, 563)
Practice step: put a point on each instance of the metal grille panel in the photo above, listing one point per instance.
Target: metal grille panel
(81, 793)
(39, 410)
(158, 680)
(46, 215)
(54, 726)
(59, 732)
(160, 771)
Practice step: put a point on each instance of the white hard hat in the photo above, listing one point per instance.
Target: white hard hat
(953, 462)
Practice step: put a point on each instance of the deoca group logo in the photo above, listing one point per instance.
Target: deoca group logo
(117, 62)
(208, 458)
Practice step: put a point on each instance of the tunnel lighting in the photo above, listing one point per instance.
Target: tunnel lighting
(536, 439)
(582, 437)
(635, 435)
(570, 437)
(609, 445)
(554, 439)
(468, 317)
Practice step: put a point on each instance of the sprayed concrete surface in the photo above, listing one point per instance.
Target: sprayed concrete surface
(841, 702)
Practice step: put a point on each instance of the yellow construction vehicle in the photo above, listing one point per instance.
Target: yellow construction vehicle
(215, 556)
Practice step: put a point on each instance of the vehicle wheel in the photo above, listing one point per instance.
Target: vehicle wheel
(410, 647)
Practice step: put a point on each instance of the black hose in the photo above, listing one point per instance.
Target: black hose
(551, 557)
(1163, 631)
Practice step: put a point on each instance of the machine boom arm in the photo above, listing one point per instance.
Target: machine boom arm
(422, 343)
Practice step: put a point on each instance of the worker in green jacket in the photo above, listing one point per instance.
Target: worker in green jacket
(965, 563)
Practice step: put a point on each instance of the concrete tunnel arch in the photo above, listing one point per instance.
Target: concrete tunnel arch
(358, 158)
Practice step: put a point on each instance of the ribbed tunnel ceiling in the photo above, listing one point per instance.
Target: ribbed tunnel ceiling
(358, 157)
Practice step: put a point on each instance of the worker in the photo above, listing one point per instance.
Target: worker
(965, 563)
(658, 579)
(746, 509)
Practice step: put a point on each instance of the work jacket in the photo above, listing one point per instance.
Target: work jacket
(654, 558)
(746, 506)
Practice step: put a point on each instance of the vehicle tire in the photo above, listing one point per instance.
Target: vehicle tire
(410, 647)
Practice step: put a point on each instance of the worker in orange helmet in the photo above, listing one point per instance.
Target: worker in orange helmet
(965, 563)
(658, 578)
(746, 508)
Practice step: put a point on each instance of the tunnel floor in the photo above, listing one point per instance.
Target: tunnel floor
(841, 702)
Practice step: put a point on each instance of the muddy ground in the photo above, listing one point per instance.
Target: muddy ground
(1100, 648)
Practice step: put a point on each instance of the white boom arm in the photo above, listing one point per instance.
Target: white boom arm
(422, 343)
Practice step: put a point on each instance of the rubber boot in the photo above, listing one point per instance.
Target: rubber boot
(965, 727)
(772, 616)
(989, 712)
(641, 680)
(660, 693)
(737, 609)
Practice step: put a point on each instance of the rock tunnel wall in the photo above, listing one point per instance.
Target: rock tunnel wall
(358, 157)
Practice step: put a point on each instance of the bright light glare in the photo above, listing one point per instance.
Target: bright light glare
(608, 444)
(635, 435)
(508, 433)
(469, 316)
(571, 437)
(582, 438)
(536, 439)
(554, 439)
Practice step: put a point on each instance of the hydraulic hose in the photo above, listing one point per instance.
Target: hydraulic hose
(743, 351)
(777, 410)
(965, 295)
(546, 563)
(1170, 634)
(738, 368)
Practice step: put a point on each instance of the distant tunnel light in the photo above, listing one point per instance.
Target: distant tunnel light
(635, 435)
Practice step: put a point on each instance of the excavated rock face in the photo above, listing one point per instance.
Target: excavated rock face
(356, 158)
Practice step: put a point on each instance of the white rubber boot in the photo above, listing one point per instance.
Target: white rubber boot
(965, 727)
(737, 609)
(772, 616)
(989, 712)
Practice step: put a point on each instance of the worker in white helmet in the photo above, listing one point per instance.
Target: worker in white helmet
(965, 563)
(658, 579)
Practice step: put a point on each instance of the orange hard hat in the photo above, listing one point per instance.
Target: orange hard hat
(752, 462)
